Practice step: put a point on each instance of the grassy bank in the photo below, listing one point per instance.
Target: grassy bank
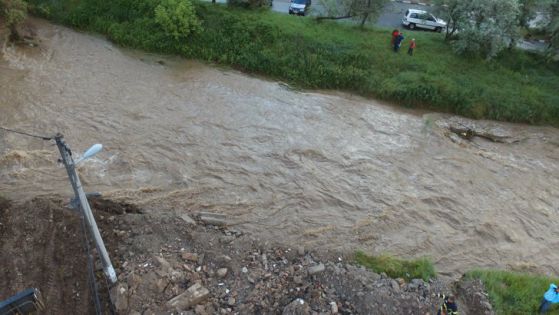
(514, 293)
(398, 268)
(518, 87)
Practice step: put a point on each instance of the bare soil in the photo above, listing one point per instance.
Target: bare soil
(41, 246)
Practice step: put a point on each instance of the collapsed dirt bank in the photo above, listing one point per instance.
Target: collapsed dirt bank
(168, 263)
(42, 246)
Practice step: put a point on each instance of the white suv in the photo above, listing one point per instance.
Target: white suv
(423, 19)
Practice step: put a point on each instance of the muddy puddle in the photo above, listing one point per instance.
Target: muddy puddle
(322, 169)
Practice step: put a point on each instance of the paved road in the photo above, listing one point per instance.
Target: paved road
(391, 16)
(394, 12)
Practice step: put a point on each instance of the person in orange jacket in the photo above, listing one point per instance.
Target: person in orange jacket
(412, 47)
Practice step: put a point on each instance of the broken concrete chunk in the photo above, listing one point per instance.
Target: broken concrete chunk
(194, 295)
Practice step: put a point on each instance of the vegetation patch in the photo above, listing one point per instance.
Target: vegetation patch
(514, 293)
(515, 86)
(398, 268)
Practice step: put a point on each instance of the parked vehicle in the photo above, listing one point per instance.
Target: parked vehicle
(422, 19)
(299, 7)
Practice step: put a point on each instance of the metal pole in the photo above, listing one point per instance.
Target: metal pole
(88, 215)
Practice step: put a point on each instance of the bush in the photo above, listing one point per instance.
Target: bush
(514, 293)
(14, 12)
(397, 268)
(250, 4)
(177, 18)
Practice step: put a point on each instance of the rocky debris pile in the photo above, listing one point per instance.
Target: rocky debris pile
(472, 293)
(169, 264)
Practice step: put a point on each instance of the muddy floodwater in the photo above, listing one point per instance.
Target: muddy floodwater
(322, 169)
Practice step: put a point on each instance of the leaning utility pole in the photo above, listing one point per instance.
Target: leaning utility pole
(84, 204)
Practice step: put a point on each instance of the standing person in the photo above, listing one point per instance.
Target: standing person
(395, 34)
(449, 305)
(398, 42)
(412, 47)
(551, 296)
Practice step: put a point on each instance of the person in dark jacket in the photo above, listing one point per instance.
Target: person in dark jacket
(449, 305)
(398, 42)
(395, 34)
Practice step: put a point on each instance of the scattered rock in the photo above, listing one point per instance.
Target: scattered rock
(297, 307)
(231, 301)
(222, 272)
(216, 219)
(316, 269)
(395, 286)
(164, 266)
(334, 307)
(244, 270)
(194, 295)
(189, 256)
(119, 296)
(187, 219)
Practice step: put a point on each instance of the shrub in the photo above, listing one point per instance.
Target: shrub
(398, 268)
(177, 18)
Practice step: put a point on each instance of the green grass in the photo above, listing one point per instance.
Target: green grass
(398, 268)
(514, 293)
(517, 87)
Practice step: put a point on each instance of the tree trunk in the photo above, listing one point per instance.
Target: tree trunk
(14, 34)
(365, 17)
(366, 14)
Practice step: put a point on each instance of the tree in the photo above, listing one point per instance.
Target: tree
(455, 12)
(15, 12)
(481, 27)
(553, 29)
(363, 10)
(527, 11)
(177, 18)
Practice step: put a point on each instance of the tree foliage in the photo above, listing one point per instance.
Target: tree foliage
(177, 18)
(14, 12)
(362, 10)
(481, 27)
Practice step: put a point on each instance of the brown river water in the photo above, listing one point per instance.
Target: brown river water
(323, 169)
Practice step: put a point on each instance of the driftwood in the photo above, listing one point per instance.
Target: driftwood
(469, 133)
